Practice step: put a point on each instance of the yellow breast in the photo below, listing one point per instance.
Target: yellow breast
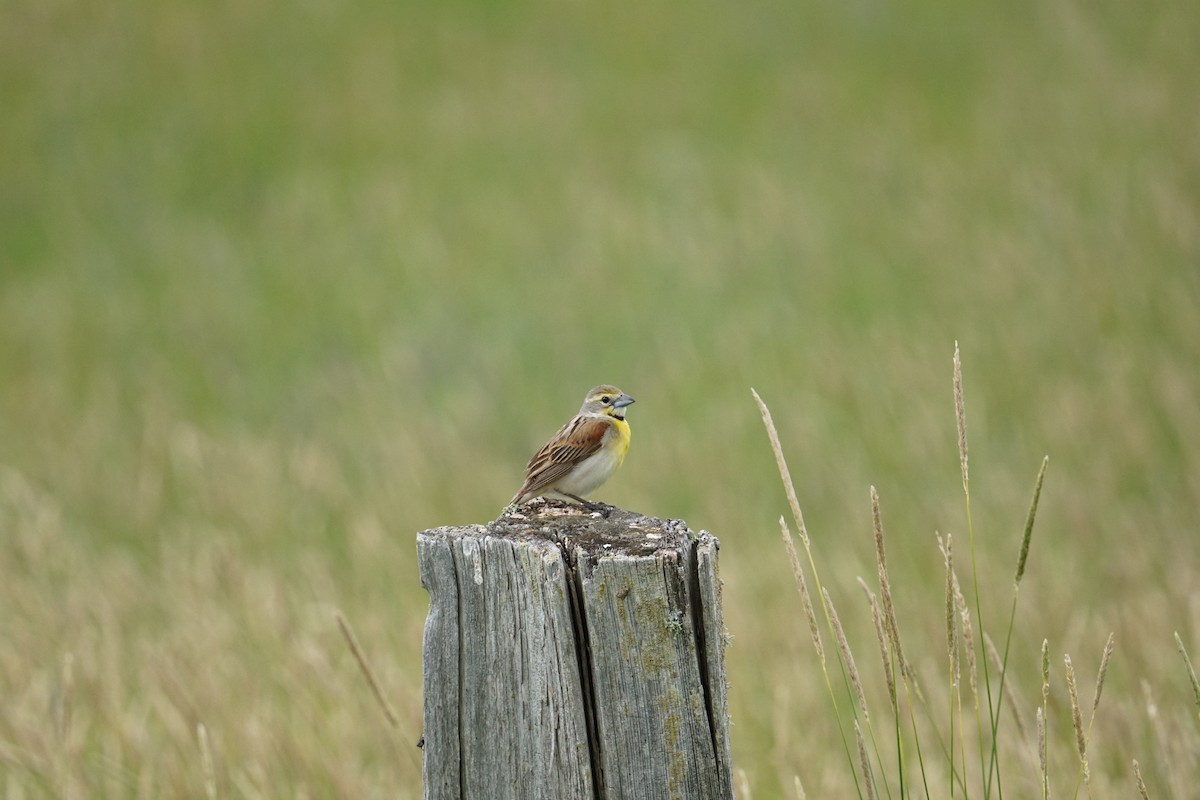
(621, 444)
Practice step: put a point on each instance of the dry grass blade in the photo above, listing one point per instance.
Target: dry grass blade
(847, 656)
(1077, 718)
(802, 585)
(1037, 493)
(366, 670)
(799, 787)
(781, 464)
(206, 761)
(1191, 670)
(1141, 784)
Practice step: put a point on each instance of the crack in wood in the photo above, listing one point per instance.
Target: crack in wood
(696, 602)
(583, 652)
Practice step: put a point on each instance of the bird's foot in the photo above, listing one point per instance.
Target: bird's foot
(603, 509)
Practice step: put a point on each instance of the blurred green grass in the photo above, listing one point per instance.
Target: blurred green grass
(282, 285)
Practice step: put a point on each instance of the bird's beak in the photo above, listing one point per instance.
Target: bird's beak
(622, 401)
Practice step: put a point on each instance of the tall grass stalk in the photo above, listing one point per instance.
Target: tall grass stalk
(1041, 754)
(864, 762)
(1191, 671)
(1022, 559)
(1103, 671)
(955, 704)
(1014, 705)
(887, 628)
(368, 673)
(1084, 735)
(889, 673)
(802, 586)
(786, 476)
(960, 417)
(1161, 739)
(1077, 721)
(815, 632)
(968, 636)
(1042, 720)
(847, 657)
(962, 636)
(885, 653)
(846, 663)
(885, 590)
(907, 676)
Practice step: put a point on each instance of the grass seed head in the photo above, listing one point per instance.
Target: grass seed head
(847, 656)
(1141, 784)
(885, 590)
(1037, 493)
(951, 625)
(1045, 672)
(864, 761)
(881, 636)
(1108, 651)
(1076, 717)
(781, 464)
(802, 586)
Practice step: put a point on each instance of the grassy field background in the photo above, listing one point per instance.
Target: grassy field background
(283, 284)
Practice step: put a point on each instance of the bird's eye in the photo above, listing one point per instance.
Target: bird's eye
(606, 399)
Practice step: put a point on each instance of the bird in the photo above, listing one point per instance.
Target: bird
(584, 453)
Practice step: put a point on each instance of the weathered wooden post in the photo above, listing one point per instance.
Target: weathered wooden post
(573, 656)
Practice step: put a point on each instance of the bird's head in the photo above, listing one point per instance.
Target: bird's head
(606, 401)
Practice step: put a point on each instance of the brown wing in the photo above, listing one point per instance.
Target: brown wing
(574, 442)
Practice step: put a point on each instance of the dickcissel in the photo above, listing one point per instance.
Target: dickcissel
(584, 453)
